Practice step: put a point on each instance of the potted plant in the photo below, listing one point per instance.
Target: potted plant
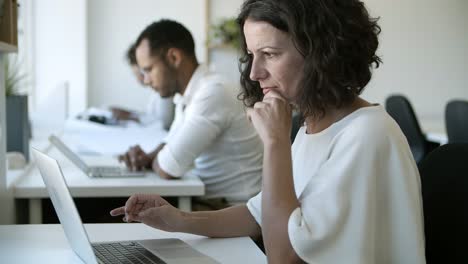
(225, 33)
(17, 121)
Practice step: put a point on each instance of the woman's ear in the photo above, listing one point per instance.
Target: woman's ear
(174, 57)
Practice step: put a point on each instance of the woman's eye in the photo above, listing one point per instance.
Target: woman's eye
(268, 54)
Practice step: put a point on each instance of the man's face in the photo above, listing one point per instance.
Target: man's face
(138, 74)
(157, 73)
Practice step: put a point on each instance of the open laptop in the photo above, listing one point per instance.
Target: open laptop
(141, 251)
(93, 171)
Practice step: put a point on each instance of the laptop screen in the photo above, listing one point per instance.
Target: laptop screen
(64, 206)
(69, 153)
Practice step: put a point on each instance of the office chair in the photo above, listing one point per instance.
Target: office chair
(456, 121)
(444, 178)
(401, 110)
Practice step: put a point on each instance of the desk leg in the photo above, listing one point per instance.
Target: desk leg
(35, 211)
(185, 203)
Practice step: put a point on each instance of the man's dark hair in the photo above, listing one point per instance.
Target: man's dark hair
(337, 39)
(130, 55)
(165, 34)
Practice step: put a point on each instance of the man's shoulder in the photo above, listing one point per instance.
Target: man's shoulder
(217, 86)
(214, 79)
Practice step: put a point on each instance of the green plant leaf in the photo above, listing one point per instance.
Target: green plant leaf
(15, 81)
(226, 32)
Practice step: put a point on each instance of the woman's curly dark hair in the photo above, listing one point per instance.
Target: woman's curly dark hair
(337, 39)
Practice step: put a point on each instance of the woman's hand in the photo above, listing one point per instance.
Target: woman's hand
(152, 210)
(272, 118)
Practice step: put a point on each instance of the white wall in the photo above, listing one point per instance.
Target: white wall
(112, 26)
(424, 47)
(60, 51)
(224, 60)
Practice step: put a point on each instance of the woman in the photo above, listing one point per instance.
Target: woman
(348, 190)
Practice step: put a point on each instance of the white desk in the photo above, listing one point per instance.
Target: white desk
(103, 139)
(30, 185)
(47, 243)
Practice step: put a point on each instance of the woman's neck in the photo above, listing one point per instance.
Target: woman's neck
(334, 115)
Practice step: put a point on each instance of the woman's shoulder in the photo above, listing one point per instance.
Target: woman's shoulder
(370, 132)
(369, 124)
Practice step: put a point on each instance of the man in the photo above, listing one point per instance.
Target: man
(158, 108)
(211, 136)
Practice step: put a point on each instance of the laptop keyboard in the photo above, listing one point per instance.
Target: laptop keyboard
(114, 172)
(126, 252)
(108, 170)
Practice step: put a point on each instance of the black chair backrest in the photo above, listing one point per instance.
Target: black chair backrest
(401, 110)
(297, 122)
(444, 178)
(456, 121)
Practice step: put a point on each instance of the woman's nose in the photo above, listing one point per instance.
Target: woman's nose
(257, 71)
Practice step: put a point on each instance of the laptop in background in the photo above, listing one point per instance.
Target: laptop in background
(139, 251)
(93, 171)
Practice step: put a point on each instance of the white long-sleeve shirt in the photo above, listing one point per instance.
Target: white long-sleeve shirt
(212, 138)
(159, 108)
(359, 193)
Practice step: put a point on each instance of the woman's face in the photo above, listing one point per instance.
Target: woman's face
(276, 63)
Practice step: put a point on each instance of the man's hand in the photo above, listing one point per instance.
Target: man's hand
(121, 114)
(151, 210)
(136, 159)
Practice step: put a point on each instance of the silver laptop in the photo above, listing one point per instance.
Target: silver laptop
(141, 251)
(93, 171)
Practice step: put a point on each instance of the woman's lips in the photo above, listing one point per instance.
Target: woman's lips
(266, 90)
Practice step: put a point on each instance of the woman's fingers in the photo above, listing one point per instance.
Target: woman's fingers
(129, 217)
(136, 204)
(130, 205)
(118, 211)
(273, 94)
(258, 105)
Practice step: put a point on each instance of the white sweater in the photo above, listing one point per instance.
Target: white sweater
(359, 192)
